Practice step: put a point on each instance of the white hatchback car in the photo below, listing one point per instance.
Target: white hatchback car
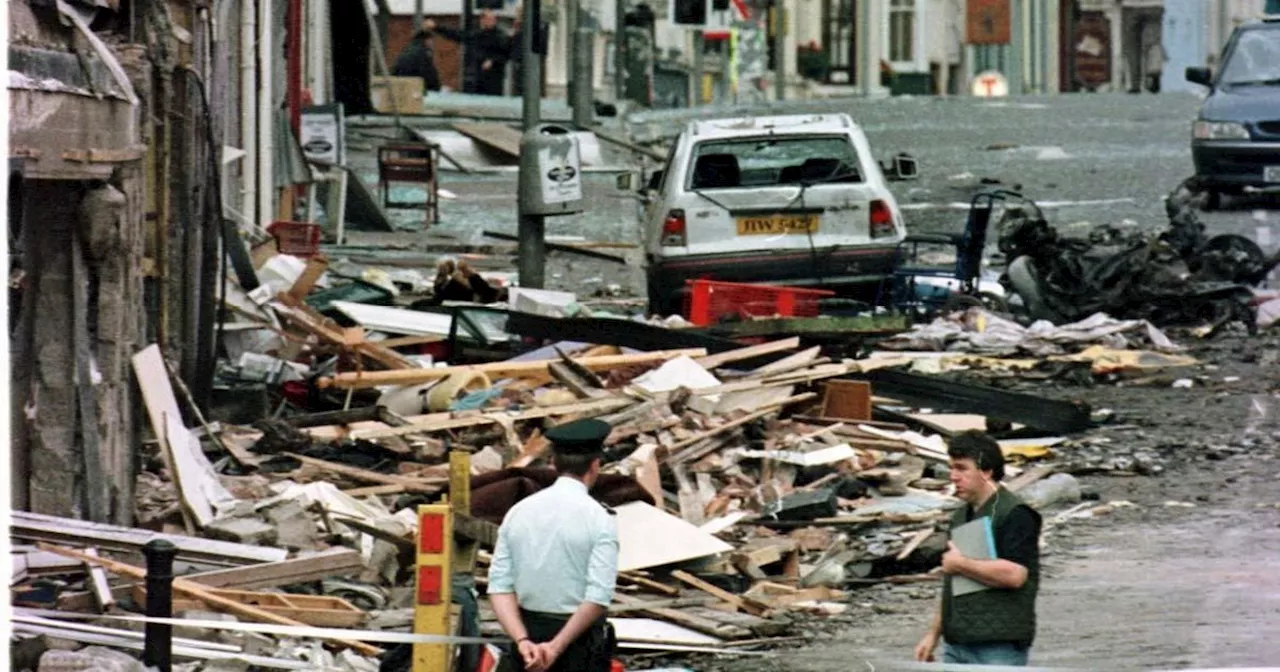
(789, 200)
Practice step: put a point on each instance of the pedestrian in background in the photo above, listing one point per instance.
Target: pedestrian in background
(419, 60)
(997, 625)
(555, 563)
(487, 50)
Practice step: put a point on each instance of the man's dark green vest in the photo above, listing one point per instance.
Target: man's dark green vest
(996, 614)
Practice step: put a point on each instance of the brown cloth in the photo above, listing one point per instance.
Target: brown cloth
(494, 493)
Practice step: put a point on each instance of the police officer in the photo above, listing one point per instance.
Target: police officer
(555, 564)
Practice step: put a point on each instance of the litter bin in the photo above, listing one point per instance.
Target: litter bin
(550, 171)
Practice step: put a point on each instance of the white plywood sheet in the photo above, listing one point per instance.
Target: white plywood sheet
(648, 537)
(197, 481)
(396, 320)
(653, 631)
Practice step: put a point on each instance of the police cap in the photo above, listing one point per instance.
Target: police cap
(580, 437)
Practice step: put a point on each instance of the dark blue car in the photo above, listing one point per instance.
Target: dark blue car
(1235, 141)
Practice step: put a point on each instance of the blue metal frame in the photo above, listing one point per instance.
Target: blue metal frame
(968, 244)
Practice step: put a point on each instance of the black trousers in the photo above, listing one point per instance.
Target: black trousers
(592, 652)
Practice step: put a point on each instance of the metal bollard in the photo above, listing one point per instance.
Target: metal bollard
(157, 648)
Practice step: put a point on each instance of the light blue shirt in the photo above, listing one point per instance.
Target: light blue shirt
(557, 548)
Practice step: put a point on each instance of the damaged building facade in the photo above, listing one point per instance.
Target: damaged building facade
(141, 141)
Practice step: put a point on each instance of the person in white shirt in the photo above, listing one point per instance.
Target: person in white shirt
(555, 563)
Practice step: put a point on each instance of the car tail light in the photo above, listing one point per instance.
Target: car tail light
(881, 220)
(673, 229)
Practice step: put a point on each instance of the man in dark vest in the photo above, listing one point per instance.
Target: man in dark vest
(994, 626)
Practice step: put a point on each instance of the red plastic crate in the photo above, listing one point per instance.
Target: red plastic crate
(710, 300)
(301, 239)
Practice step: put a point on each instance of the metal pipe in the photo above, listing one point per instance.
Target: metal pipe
(248, 110)
(532, 228)
(695, 81)
(572, 12)
(780, 50)
(293, 32)
(584, 76)
(619, 50)
(266, 120)
(866, 68)
(157, 648)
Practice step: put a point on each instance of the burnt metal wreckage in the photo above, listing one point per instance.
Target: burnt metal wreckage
(1179, 276)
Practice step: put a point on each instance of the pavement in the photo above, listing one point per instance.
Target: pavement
(1091, 158)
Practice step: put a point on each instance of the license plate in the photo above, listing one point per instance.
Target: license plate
(1271, 173)
(777, 224)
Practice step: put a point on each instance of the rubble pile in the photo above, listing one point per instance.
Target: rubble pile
(757, 485)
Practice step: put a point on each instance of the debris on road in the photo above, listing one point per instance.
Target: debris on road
(1180, 276)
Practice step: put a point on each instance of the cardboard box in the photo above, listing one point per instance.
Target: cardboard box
(406, 93)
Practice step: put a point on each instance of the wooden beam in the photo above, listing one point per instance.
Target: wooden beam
(203, 594)
(506, 369)
(720, 359)
(747, 604)
(423, 485)
(675, 451)
(596, 406)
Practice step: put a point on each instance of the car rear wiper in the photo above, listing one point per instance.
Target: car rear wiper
(701, 193)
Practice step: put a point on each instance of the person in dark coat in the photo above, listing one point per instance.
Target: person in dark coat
(487, 53)
(419, 60)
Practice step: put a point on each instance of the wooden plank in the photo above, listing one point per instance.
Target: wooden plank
(747, 604)
(1029, 476)
(495, 370)
(915, 542)
(39, 527)
(673, 603)
(799, 360)
(203, 594)
(500, 137)
(645, 582)
(326, 564)
(576, 383)
(394, 489)
(317, 610)
(423, 485)
(315, 268)
(676, 456)
(99, 585)
(691, 621)
(596, 406)
(749, 352)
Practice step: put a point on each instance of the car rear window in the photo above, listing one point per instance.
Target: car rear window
(773, 160)
(1255, 59)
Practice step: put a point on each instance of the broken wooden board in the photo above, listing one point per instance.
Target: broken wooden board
(847, 400)
(441, 422)
(710, 625)
(741, 602)
(749, 352)
(38, 527)
(316, 610)
(423, 485)
(495, 370)
(639, 524)
(499, 137)
(203, 594)
(333, 562)
(197, 483)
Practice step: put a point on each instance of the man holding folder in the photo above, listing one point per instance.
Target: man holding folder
(987, 612)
